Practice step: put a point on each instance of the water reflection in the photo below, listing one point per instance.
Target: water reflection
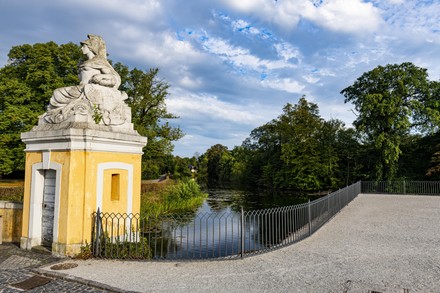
(220, 199)
(220, 229)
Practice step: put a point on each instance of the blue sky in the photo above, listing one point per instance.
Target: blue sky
(233, 64)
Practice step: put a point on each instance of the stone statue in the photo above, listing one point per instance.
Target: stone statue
(96, 99)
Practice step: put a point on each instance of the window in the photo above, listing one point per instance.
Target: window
(115, 187)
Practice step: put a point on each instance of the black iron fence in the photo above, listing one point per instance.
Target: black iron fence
(402, 187)
(227, 234)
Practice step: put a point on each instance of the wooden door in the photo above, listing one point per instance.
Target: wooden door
(48, 208)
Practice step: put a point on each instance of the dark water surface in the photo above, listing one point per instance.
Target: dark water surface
(220, 229)
(221, 198)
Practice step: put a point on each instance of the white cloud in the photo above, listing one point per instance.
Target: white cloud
(251, 6)
(396, 1)
(188, 81)
(348, 16)
(335, 109)
(223, 48)
(353, 16)
(161, 50)
(284, 84)
(139, 10)
(311, 78)
(287, 51)
(241, 58)
(188, 105)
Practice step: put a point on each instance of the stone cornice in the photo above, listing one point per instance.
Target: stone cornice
(103, 139)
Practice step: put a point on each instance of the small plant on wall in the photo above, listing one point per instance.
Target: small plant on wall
(97, 114)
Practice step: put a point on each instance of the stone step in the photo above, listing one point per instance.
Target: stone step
(41, 249)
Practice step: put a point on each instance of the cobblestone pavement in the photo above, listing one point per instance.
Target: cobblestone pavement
(17, 265)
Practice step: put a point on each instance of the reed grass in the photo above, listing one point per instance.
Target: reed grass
(183, 197)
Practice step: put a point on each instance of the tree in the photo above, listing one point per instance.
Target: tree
(32, 74)
(262, 155)
(214, 155)
(390, 101)
(26, 85)
(348, 149)
(298, 150)
(301, 131)
(147, 94)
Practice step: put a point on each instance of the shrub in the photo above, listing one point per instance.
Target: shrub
(12, 193)
(185, 196)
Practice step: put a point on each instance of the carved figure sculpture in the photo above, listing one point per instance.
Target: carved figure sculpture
(97, 97)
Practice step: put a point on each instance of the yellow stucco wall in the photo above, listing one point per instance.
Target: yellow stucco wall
(78, 190)
(31, 159)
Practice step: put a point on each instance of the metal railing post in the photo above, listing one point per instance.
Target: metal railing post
(98, 233)
(1, 229)
(328, 206)
(242, 232)
(310, 219)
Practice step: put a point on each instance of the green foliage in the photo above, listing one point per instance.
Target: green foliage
(32, 74)
(97, 114)
(147, 94)
(298, 150)
(122, 249)
(26, 85)
(301, 127)
(415, 163)
(390, 101)
(180, 198)
(85, 253)
(180, 167)
(12, 193)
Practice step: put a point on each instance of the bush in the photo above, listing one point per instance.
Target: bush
(185, 196)
(12, 193)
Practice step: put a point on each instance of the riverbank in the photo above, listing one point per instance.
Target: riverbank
(377, 243)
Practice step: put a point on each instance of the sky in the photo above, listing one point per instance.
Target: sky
(233, 64)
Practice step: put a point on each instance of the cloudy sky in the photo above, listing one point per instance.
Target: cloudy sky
(233, 64)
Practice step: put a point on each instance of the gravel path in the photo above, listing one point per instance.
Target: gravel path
(382, 243)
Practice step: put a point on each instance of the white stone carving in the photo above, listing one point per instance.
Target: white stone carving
(96, 101)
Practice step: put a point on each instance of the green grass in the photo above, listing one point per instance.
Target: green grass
(182, 197)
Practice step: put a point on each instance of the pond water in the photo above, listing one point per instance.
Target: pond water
(219, 228)
(221, 198)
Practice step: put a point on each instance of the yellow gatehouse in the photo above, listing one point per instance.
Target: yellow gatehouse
(83, 155)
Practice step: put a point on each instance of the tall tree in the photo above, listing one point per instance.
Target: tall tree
(32, 74)
(147, 95)
(26, 85)
(262, 155)
(301, 130)
(214, 155)
(298, 150)
(390, 101)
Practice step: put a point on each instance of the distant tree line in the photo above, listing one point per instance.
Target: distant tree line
(395, 137)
